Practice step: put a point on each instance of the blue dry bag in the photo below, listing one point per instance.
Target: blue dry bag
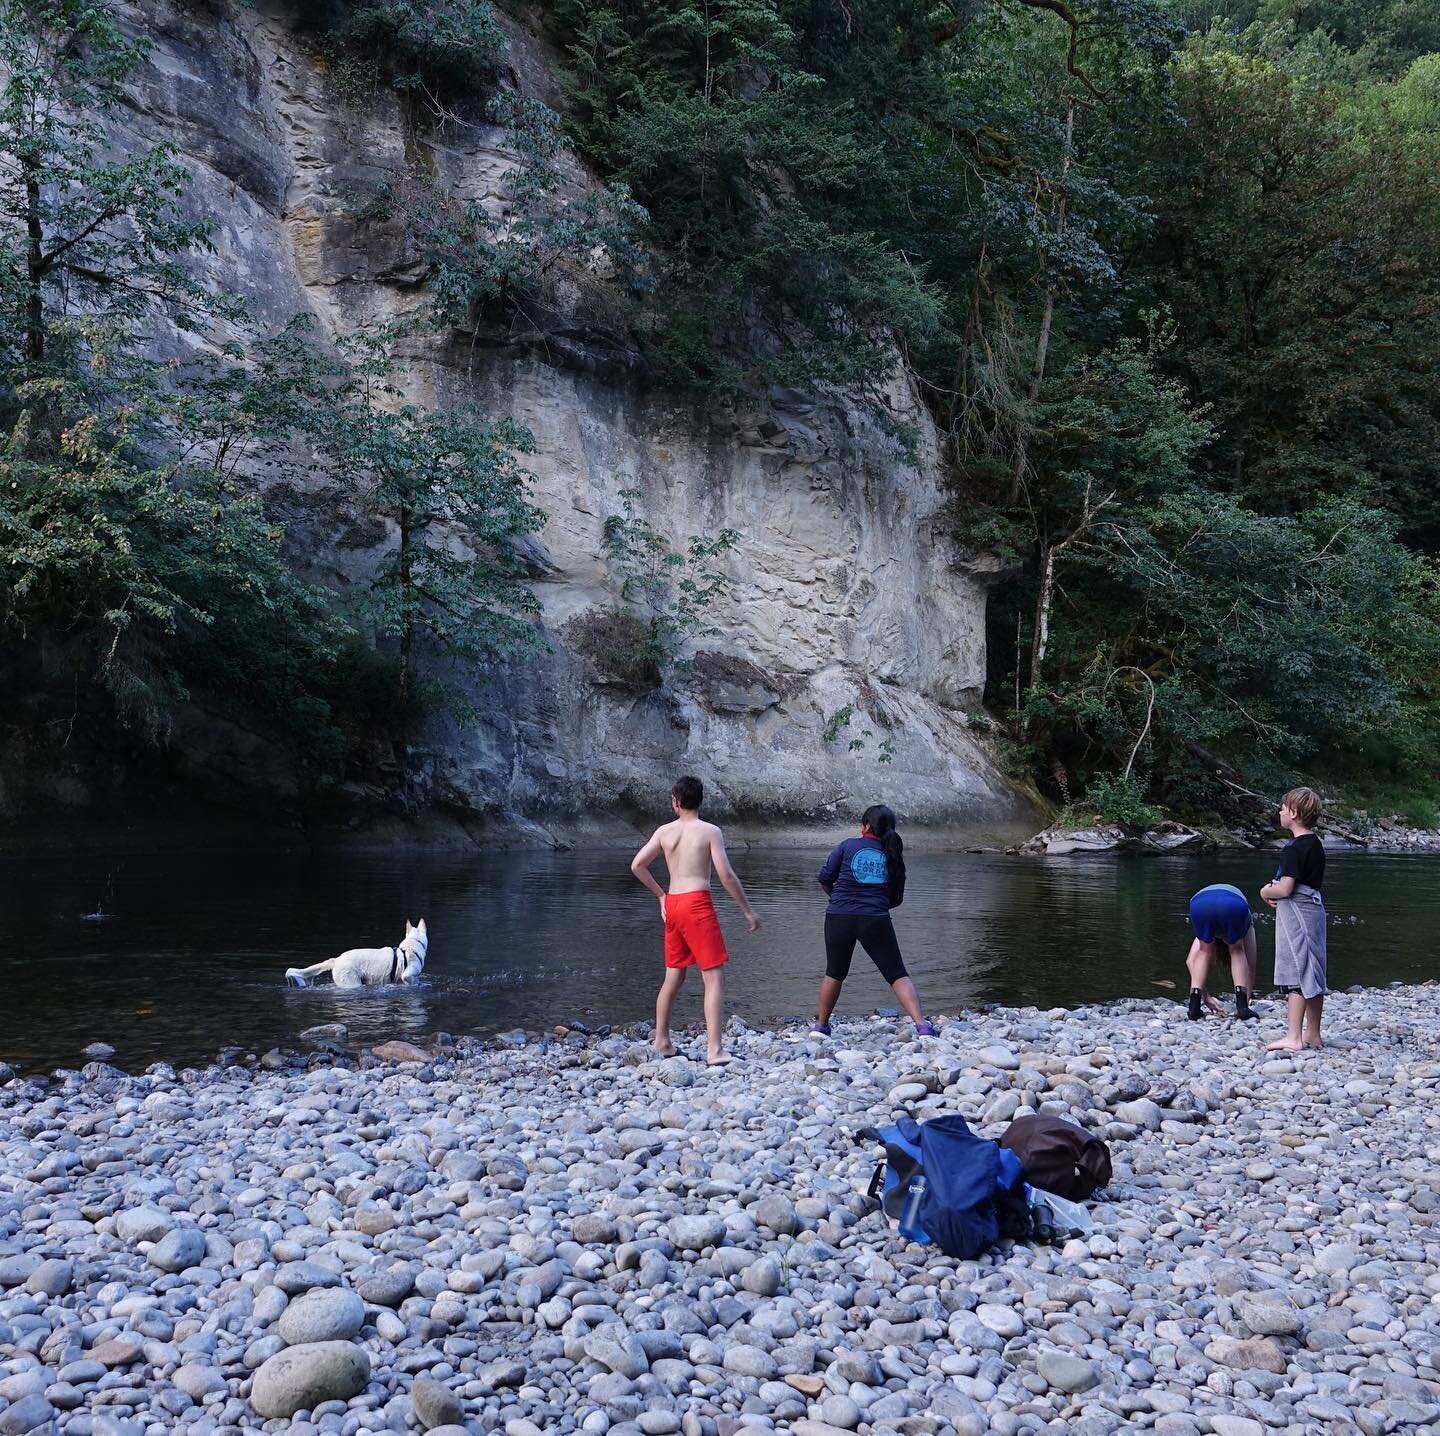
(944, 1185)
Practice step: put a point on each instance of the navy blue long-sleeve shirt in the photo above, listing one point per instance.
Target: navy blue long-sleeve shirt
(857, 874)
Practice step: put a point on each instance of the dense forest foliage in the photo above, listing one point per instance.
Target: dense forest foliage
(1167, 276)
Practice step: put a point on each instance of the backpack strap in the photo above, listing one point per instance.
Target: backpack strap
(877, 1180)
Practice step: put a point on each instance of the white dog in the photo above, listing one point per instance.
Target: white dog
(371, 966)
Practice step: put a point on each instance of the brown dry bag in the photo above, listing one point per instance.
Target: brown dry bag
(1058, 1156)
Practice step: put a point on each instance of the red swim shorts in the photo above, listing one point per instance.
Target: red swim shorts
(692, 931)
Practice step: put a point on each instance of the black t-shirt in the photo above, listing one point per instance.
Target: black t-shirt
(1303, 859)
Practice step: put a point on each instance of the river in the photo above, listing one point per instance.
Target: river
(174, 957)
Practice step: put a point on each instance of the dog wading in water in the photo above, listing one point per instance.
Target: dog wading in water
(692, 930)
(372, 966)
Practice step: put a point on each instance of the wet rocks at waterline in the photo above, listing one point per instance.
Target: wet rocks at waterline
(562, 1237)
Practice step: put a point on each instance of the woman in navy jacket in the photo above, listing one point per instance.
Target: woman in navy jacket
(865, 878)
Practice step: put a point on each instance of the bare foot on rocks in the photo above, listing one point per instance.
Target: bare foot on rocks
(1283, 1045)
(718, 1059)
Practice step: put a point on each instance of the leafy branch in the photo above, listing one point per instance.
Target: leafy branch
(670, 591)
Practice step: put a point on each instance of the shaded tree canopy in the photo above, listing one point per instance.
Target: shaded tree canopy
(1167, 274)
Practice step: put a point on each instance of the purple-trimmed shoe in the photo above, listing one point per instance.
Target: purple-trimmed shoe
(820, 1029)
(925, 1029)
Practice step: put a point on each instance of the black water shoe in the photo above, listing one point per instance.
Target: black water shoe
(1193, 1011)
(1243, 1010)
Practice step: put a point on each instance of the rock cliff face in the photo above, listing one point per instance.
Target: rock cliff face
(846, 589)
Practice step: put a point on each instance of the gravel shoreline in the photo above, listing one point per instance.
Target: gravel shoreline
(572, 1236)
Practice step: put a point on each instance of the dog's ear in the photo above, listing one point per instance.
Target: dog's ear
(409, 926)
(422, 925)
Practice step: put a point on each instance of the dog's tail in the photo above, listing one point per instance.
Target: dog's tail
(300, 976)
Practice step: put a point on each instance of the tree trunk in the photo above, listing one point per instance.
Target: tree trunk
(1050, 552)
(1047, 312)
(407, 632)
(35, 267)
(1042, 614)
(1017, 670)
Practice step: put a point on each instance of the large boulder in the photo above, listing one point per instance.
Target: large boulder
(142, 1224)
(1256, 1353)
(1267, 1313)
(693, 1234)
(300, 1378)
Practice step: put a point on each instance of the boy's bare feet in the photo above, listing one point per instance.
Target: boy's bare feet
(718, 1059)
(665, 1049)
(1283, 1045)
(1317, 1044)
(1213, 1007)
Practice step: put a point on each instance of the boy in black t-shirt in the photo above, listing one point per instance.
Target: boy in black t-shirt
(1300, 956)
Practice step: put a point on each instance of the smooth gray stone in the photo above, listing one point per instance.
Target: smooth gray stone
(695, 1233)
(18, 1269)
(322, 1314)
(51, 1278)
(27, 1414)
(178, 1250)
(435, 1404)
(142, 1224)
(301, 1377)
(1067, 1373)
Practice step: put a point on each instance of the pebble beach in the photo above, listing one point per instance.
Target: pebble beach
(563, 1233)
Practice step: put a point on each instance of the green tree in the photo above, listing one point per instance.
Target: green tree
(749, 170)
(1112, 433)
(119, 551)
(669, 591)
(426, 49)
(92, 241)
(451, 484)
(1298, 251)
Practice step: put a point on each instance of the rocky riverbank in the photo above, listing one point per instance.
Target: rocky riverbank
(1388, 835)
(1401, 838)
(570, 1236)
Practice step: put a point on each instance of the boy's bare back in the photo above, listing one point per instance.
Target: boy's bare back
(689, 846)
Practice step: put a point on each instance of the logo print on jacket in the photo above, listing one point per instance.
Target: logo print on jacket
(868, 867)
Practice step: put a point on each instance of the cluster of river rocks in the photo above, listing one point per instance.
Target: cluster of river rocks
(1389, 835)
(1400, 838)
(572, 1236)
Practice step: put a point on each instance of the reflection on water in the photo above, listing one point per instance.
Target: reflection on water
(175, 957)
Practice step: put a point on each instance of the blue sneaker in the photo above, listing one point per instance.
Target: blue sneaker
(820, 1029)
(925, 1029)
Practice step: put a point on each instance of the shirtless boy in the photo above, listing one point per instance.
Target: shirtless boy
(692, 930)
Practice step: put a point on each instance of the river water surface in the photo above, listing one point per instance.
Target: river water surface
(172, 958)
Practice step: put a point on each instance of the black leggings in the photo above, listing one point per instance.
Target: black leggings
(875, 934)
